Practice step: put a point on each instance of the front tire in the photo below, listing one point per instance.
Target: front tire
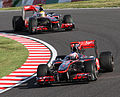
(42, 70)
(67, 19)
(32, 24)
(90, 67)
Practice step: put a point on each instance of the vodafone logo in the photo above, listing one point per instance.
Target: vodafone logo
(27, 7)
(69, 24)
(89, 42)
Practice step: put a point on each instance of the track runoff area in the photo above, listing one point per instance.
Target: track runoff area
(40, 52)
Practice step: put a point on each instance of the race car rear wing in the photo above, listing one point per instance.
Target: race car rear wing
(29, 8)
(83, 44)
(79, 45)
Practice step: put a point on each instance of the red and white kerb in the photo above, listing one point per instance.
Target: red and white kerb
(38, 54)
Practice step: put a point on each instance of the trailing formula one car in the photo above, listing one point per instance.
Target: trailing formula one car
(76, 66)
(41, 21)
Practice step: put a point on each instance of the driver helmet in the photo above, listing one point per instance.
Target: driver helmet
(42, 13)
(73, 56)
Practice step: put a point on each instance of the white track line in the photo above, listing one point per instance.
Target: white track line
(29, 66)
(14, 77)
(4, 81)
(26, 70)
(30, 43)
(6, 86)
(33, 45)
(37, 57)
(38, 54)
(29, 48)
(21, 73)
(37, 60)
(36, 47)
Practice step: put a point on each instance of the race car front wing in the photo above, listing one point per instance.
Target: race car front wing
(51, 79)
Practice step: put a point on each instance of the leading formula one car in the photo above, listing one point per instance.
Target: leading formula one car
(41, 21)
(76, 66)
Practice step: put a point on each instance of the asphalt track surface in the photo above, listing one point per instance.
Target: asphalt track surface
(103, 25)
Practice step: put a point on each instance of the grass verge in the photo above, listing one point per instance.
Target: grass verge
(79, 4)
(85, 4)
(12, 55)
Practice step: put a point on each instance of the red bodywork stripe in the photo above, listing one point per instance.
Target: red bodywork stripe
(67, 25)
(58, 62)
(55, 21)
(42, 28)
(81, 75)
(46, 79)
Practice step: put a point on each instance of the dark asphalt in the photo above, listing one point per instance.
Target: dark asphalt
(102, 25)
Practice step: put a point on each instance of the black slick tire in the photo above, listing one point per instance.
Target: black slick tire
(106, 61)
(42, 70)
(90, 67)
(31, 25)
(60, 57)
(67, 19)
(18, 23)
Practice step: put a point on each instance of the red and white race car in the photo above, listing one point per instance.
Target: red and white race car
(41, 21)
(76, 66)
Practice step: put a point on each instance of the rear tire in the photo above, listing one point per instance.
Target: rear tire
(106, 61)
(18, 23)
(90, 67)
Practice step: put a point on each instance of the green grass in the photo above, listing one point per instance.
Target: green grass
(79, 4)
(11, 8)
(85, 4)
(12, 55)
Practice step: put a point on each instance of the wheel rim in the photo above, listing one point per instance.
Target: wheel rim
(94, 74)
